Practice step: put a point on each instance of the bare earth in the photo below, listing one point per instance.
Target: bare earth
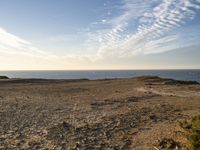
(136, 113)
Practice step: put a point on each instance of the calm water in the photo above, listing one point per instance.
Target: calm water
(193, 75)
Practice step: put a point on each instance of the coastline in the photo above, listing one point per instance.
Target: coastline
(128, 113)
(178, 74)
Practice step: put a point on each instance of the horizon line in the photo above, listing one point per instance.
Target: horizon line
(105, 69)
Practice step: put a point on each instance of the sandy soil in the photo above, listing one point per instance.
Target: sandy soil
(137, 113)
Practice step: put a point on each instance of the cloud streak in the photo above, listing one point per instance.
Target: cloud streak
(12, 44)
(153, 21)
(18, 53)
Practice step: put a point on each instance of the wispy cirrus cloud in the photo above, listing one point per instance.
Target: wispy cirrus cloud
(16, 51)
(142, 27)
(12, 44)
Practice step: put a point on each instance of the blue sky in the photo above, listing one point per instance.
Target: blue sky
(99, 34)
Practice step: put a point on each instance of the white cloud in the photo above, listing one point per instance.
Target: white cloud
(11, 40)
(16, 51)
(12, 44)
(152, 19)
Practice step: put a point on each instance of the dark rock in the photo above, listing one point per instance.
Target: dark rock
(66, 125)
(169, 144)
(153, 117)
(4, 77)
(178, 82)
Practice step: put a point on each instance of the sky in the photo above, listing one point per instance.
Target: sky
(99, 34)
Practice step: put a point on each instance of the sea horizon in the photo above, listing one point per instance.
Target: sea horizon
(178, 74)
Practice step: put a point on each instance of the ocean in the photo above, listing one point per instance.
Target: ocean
(192, 75)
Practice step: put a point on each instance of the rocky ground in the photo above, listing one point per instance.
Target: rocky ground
(136, 113)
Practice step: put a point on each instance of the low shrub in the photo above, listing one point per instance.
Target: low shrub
(193, 127)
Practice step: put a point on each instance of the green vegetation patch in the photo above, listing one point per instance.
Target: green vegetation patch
(193, 127)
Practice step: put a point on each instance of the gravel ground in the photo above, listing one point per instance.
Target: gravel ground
(136, 113)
